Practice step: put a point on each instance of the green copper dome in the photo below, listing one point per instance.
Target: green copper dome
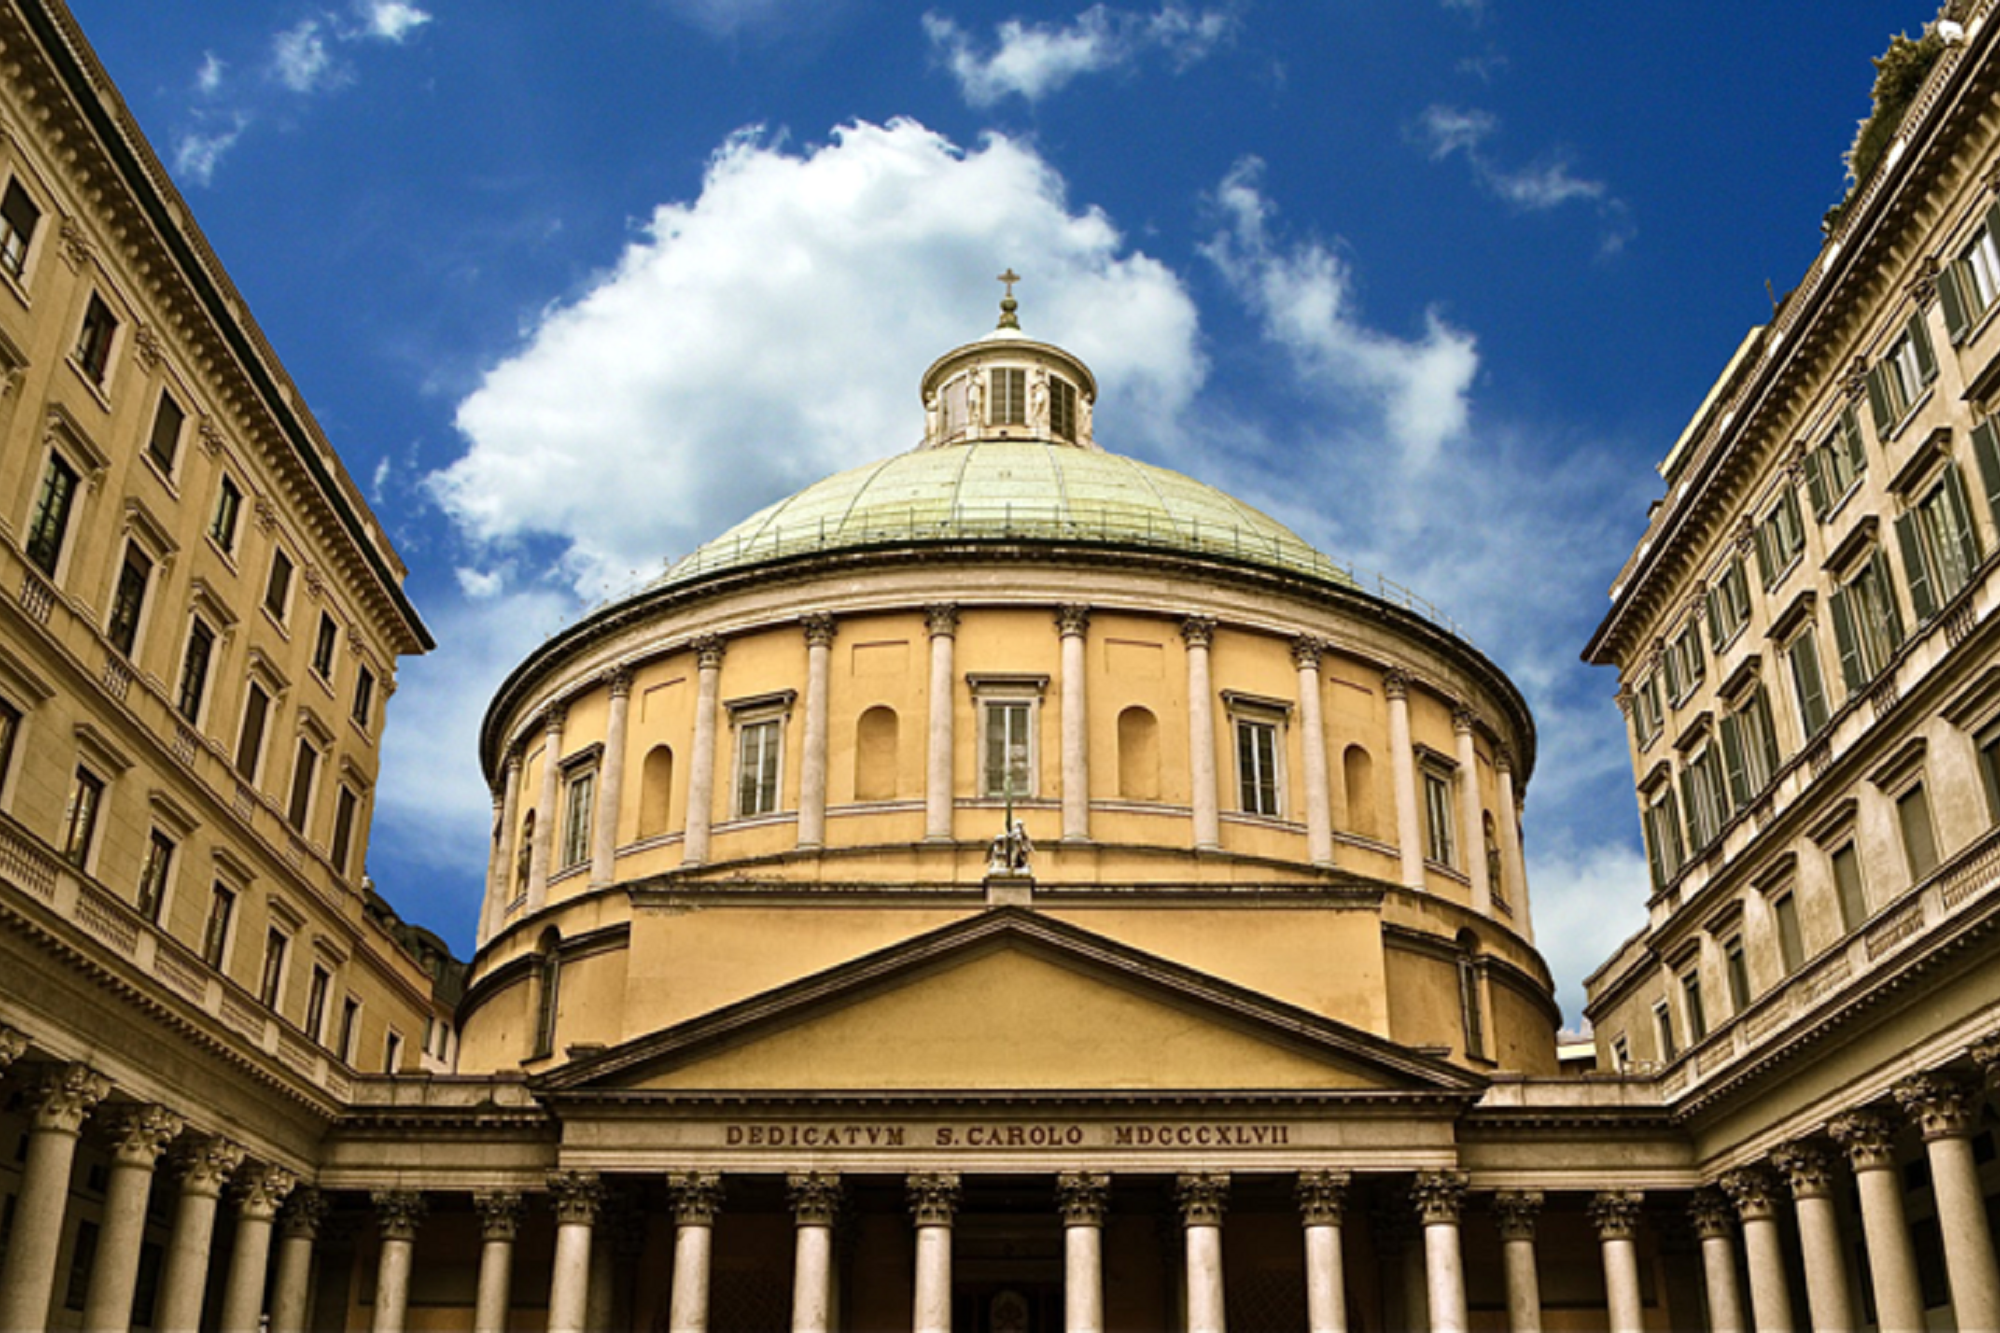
(1008, 490)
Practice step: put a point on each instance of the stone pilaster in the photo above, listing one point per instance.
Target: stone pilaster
(1073, 625)
(708, 654)
(1306, 652)
(1403, 776)
(941, 620)
(1198, 632)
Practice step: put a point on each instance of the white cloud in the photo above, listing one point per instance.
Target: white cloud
(391, 20)
(1304, 296)
(1447, 130)
(1535, 188)
(1031, 60)
(301, 59)
(197, 153)
(1586, 903)
(770, 332)
(208, 79)
(480, 584)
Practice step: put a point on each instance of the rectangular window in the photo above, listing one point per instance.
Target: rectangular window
(86, 795)
(228, 511)
(323, 646)
(1665, 846)
(1707, 802)
(1833, 468)
(1791, 940)
(364, 696)
(18, 218)
(1062, 409)
(10, 728)
(1007, 767)
(304, 769)
(1750, 748)
(1007, 397)
(215, 934)
(1663, 1028)
(1969, 284)
(317, 992)
(1940, 546)
(344, 808)
(392, 1052)
(250, 741)
(1780, 537)
(1737, 968)
(1848, 887)
(164, 444)
(1728, 606)
(1867, 626)
(579, 803)
(1697, 1018)
(1257, 789)
(278, 588)
(1621, 1054)
(1988, 745)
(1647, 715)
(757, 757)
(271, 980)
(129, 599)
(93, 341)
(1686, 664)
(1901, 376)
(194, 671)
(1807, 683)
(350, 1027)
(1440, 823)
(51, 519)
(155, 875)
(1913, 816)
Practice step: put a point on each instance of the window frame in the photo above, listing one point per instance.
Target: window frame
(169, 464)
(278, 591)
(156, 875)
(225, 523)
(83, 816)
(218, 931)
(16, 261)
(346, 816)
(326, 647)
(362, 711)
(750, 717)
(197, 624)
(1438, 782)
(273, 968)
(309, 757)
(95, 350)
(33, 540)
(1665, 1037)
(1922, 867)
(1791, 942)
(995, 696)
(319, 995)
(1809, 702)
(580, 778)
(261, 746)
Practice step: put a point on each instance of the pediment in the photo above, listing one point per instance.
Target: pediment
(1009, 1002)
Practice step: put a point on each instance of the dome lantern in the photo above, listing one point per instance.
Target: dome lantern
(1008, 386)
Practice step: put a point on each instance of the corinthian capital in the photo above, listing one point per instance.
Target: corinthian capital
(814, 1196)
(1072, 620)
(65, 1097)
(304, 1213)
(1306, 652)
(820, 627)
(1616, 1213)
(941, 619)
(1198, 631)
(261, 1189)
(1395, 683)
(933, 1197)
(708, 651)
(1438, 1196)
(204, 1164)
(499, 1213)
(696, 1196)
(1754, 1192)
(1941, 1105)
(141, 1134)
(1711, 1213)
(1807, 1167)
(1517, 1211)
(577, 1196)
(1202, 1196)
(1322, 1197)
(1868, 1136)
(1082, 1197)
(398, 1213)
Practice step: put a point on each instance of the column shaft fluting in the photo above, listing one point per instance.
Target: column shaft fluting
(1198, 631)
(701, 772)
(812, 766)
(1403, 774)
(938, 754)
(610, 782)
(1312, 744)
(1073, 623)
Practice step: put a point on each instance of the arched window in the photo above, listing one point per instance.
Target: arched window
(656, 791)
(547, 993)
(1138, 755)
(524, 854)
(1471, 1008)
(1358, 770)
(875, 755)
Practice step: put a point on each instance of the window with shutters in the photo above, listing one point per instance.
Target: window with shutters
(1970, 283)
(1939, 544)
(1707, 798)
(1728, 606)
(228, 511)
(1646, 712)
(1867, 626)
(1007, 397)
(1663, 1032)
(1899, 379)
(1685, 663)
(1062, 409)
(1986, 449)
(19, 217)
(1791, 940)
(1808, 684)
(1666, 848)
(1833, 469)
(1749, 748)
(1440, 815)
(1691, 1005)
(1736, 968)
(1780, 538)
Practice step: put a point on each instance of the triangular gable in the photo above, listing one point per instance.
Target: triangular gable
(1010, 1001)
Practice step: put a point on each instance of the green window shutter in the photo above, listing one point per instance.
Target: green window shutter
(1915, 567)
(1951, 286)
(1769, 729)
(1792, 523)
(1878, 401)
(1697, 826)
(1986, 448)
(1959, 506)
(1805, 676)
(1845, 640)
(1672, 664)
(1892, 616)
(1857, 451)
(1765, 539)
(1732, 761)
(1816, 481)
(1714, 600)
(1920, 340)
(1653, 847)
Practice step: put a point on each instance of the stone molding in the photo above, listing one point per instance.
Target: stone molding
(941, 620)
(141, 1134)
(1754, 1192)
(303, 1214)
(1869, 1138)
(1438, 1196)
(499, 1213)
(1986, 1054)
(1517, 1211)
(696, 1196)
(204, 1164)
(261, 1190)
(1809, 1168)
(1503, 758)
(814, 1197)
(578, 1196)
(1203, 1197)
(1198, 631)
(1072, 620)
(820, 629)
(1616, 1213)
(1083, 1197)
(1710, 1212)
(1322, 1197)
(64, 1098)
(398, 1213)
(934, 1197)
(1942, 1106)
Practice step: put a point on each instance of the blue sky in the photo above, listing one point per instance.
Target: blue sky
(1435, 281)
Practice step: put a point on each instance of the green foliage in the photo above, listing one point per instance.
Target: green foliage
(1899, 72)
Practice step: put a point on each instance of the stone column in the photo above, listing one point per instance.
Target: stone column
(1073, 624)
(1870, 1140)
(1312, 743)
(610, 781)
(1403, 775)
(1513, 863)
(298, 1231)
(1322, 1205)
(1616, 1213)
(1755, 1195)
(499, 1223)
(1199, 632)
(815, 1200)
(63, 1100)
(577, 1196)
(508, 852)
(203, 1166)
(494, 903)
(1944, 1108)
(1809, 1169)
(1517, 1211)
(398, 1213)
(708, 652)
(1471, 810)
(1710, 1212)
(1203, 1196)
(696, 1195)
(933, 1203)
(259, 1192)
(942, 621)
(541, 850)
(138, 1137)
(1083, 1196)
(1439, 1195)
(820, 630)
